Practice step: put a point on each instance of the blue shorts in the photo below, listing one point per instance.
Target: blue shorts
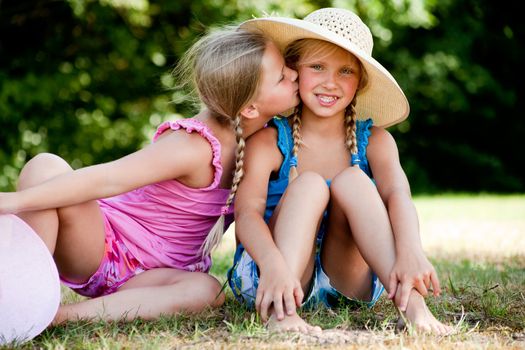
(243, 279)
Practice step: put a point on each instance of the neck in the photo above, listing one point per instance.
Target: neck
(249, 127)
(204, 116)
(330, 126)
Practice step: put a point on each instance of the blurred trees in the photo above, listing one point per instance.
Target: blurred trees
(458, 63)
(90, 80)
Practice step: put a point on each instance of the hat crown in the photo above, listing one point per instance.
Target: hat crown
(346, 24)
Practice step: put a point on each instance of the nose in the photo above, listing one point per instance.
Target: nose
(292, 74)
(330, 80)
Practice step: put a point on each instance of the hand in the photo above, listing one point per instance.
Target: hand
(412, 271)
(277, 286)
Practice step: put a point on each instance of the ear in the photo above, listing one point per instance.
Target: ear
(250, 112)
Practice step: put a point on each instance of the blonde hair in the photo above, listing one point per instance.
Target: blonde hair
(300, 52)
(224, 69)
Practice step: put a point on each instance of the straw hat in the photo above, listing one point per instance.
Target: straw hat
(381, 99)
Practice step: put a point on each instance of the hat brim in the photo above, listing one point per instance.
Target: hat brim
(382, 99)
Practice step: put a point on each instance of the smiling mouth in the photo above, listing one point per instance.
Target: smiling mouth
(325, 100)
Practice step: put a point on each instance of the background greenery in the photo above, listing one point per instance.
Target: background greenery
(89, 79)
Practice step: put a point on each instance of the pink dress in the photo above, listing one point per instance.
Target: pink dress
(165, 224)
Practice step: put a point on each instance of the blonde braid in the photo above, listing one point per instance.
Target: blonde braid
(297, 142)
(350, 126)
(239, 161)
(215, 234)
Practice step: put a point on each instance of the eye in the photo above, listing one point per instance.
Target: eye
(316, 66)
(281, 78)
(347, 71)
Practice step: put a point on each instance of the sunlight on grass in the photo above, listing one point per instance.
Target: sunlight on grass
(457, 226)
(475, 227)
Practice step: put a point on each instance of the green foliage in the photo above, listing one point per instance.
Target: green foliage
(458, 68)
(90, 80)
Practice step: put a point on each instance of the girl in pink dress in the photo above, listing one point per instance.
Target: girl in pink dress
(135, 234)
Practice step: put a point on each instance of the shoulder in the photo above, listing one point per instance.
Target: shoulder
(379, 135)
(184, 149)
(381, 144)
(262, 149)
(190, 141)
(265, 137)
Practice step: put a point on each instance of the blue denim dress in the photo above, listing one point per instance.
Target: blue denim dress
(243, 276)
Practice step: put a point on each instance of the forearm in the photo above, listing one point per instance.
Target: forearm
(405, 223)
(255, 236)
(63, 190)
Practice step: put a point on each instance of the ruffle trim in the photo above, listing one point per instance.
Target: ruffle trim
(191, 125)
(363, 133)
(284, 143)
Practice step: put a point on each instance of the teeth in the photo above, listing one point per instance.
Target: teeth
(327, 99)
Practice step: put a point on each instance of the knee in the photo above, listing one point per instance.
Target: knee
(311, 186)
(352, 177)
(216, 295)
(41, 168)
(209, 294)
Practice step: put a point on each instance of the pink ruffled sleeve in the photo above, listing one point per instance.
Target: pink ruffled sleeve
(194, 125)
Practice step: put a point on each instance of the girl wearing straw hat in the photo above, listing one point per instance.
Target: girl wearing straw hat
(324, 213)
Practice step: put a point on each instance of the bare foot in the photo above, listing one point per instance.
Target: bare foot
(419, 316)
(292, 323)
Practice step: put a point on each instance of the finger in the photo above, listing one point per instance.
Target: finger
(278, 307)
(435, 283)
(258, 301)
(421, 288)
(405, 294)
(265, 305)
(299, 295)
(426, 280)
(289, 303)
(392, 286)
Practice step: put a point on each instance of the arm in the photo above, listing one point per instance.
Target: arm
(276, 281)
(176, 155)
(412, 269)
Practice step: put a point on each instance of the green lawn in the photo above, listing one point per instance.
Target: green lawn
(477, 244)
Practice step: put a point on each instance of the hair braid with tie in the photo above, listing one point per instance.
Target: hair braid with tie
(224, 69)
(350, 127)
(214, 237)
(297, 141)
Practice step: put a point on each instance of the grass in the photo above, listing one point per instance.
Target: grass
(477, 244)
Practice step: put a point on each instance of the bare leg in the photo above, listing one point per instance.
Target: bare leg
(294, 226)
(150, 295)
(363, 243)
(75, 234)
